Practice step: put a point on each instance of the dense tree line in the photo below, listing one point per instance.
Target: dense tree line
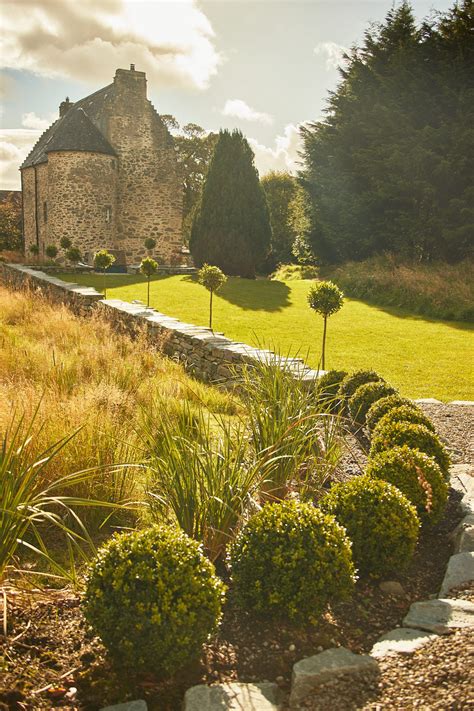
(391, 166)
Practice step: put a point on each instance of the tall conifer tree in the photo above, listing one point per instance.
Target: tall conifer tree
(231, 227)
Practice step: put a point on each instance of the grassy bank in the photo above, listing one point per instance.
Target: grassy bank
(90, 379)
(438, 290)
(422, 357)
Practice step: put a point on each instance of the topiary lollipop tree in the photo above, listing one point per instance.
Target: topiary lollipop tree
(148, 267)
(325, 298)
(102, 261)
(212, 278)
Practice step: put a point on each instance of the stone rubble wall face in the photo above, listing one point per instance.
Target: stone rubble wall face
(209, 357)
(84, 185)
(28, 176)
(150, 192)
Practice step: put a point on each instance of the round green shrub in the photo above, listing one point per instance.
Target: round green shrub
(380, 521)
(328, 388)
(365, 396)
(405, 413)
(417, 476)
(354, 380)
(153, 599)
(291, 560)
(396, 434)
(384, 405)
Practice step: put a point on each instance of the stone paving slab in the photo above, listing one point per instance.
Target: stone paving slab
(440, 616)
(460, 571)
(312, 671)
(234, 696)
(402, 640)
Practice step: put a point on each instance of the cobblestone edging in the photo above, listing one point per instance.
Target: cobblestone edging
(209, 356)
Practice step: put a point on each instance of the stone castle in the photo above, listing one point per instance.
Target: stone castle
(105, 175)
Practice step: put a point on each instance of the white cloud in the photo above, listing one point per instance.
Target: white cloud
(15, 144)
(31, 120)
(173, 41)
(333, 52)
(283, 155)
(237, 108)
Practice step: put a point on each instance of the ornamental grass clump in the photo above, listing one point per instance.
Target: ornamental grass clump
(417, 476)
(405, 413)
(396, 434)
(365, 396)
(290, 560)
(153, 599)
(379, 520)
(328, 388)
(380, 408)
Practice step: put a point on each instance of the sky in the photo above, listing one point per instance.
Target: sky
(263, 66)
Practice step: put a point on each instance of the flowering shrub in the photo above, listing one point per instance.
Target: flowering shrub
(365, 396)
(396, 434)
(380, 521)
(290, 560)
(153, 599)
(405, 413)
(416, 475)
(384, 405)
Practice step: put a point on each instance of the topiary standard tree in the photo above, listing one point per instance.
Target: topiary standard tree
(65, 243)
(231, 227)
(103, 260)
(212, 278)
(150, 244)
(73, 255)
(325, 298)
(148, 267)
(51, 251)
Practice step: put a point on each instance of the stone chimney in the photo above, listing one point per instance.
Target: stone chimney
(131, 82)
(64, 107)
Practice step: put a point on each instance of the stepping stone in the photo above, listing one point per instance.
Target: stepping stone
(403, 640)
(233, 697)
(460, 570)
(428, 401)
(440, 616)
(128, 706)
(467, 403)
(312, 671)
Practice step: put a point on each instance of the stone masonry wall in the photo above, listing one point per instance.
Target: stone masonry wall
(208, 356)
(150, 192)
(84, 185)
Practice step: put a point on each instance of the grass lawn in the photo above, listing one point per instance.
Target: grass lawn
(420, 356)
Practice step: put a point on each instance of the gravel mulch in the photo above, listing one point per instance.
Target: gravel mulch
(455, 424)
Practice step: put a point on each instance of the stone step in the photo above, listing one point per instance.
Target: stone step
(310, 672)
(460, 571)
(402, 640)
(234, 696)
(440, 616)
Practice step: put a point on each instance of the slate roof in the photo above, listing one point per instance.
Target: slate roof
(75, 131)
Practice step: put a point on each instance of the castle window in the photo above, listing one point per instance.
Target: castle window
(108, 213)
(45, 211)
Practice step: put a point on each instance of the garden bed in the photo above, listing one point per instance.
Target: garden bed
(49, 642)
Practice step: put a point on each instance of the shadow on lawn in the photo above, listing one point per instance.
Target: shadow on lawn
(253, 294)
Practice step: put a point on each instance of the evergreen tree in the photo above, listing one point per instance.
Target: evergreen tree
(390, 169)
(231, 227)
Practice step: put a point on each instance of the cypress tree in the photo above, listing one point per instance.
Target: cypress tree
(231, 228)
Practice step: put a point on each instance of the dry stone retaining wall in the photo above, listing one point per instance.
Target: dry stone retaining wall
(209, 356)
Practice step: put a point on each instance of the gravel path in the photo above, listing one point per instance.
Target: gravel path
(455, 424)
